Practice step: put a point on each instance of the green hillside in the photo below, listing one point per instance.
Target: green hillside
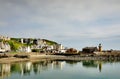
(16, 44)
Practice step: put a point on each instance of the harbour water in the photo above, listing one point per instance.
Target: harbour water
(51, 69)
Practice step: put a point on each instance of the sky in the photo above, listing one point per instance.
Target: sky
(73, 23)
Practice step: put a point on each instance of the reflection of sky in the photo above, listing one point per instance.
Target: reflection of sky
(111, 71)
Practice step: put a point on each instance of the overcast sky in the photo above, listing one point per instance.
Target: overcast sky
(73, 23)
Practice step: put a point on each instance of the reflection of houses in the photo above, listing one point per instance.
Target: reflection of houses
(72, 62)
(89, 64)
(100, 66)
(57, 64)
(45, 65)
(93, 64)
(41, 66)
(4, 70)
(25, 68)
(89, 49)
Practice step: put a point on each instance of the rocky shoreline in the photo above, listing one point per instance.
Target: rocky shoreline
(9, 58)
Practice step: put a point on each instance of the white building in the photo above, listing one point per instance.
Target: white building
(2, 50)
(22, 40)
(4, 37)
(50, 47)
(60, 47)
(25, 49)
(62, 51)
(4, 47)
(7, 47)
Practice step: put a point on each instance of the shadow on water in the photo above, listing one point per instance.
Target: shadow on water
(26, 68)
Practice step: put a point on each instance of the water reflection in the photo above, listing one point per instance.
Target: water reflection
(26, 68)
(57, 65)
(89, 64)
(93, 64)
(41, 66)
(5, 70)
(72, 63)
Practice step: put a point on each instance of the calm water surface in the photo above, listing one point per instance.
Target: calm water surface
(61, 70)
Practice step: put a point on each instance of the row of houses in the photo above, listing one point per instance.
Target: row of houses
(45, 48)
(59, 48)
(4, 37)
(40, 44)
(33, 41)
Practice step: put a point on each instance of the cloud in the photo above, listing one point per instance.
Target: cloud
(78, 10)
(2, 24)
(104, 31)
(61, 19)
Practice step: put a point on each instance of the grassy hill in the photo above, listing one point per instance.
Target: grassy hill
(16, 44)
